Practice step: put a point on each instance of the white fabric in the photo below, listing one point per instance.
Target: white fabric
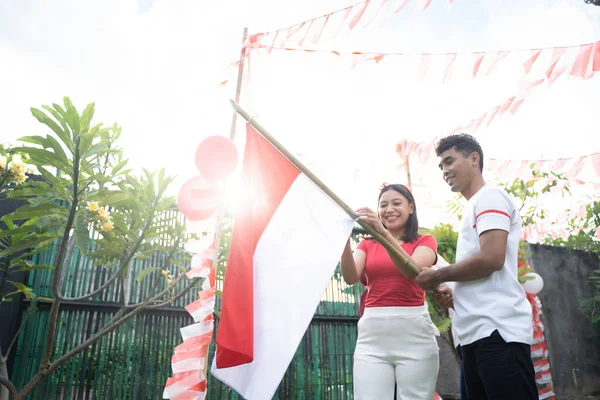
(293, 262)
(395, 345)
(497, 301)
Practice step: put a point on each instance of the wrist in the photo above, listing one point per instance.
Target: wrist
(444, 274)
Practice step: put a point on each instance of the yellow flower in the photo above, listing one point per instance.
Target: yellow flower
(165, 272)
(2, 163)
(20, 177)
(17, 167)
(103, 213)
(169, 281)
(92, 205)
(107, 226)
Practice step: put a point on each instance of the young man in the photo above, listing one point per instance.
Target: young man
(493, 316)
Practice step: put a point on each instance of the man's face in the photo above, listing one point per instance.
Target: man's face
(457, 170)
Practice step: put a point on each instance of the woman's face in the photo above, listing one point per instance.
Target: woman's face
(394, 210)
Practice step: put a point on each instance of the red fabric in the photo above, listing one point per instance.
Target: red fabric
(529, 63)
(580, 67)
(387, 287)
(266, 178)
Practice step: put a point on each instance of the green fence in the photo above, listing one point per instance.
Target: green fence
(133, 362)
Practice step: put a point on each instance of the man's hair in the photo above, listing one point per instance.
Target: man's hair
(463, 143)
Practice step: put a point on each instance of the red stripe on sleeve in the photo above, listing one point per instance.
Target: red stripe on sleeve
(492, 211)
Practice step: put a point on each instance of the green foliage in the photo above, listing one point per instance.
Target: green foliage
(446, 238)
(87, 192)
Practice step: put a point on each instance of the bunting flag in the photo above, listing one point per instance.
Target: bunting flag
(530, 66)
(539, 349)
(190, 359)
(348, 18)
(571, 167)
(286, 242)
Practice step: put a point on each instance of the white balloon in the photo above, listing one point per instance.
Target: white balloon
(534, 285)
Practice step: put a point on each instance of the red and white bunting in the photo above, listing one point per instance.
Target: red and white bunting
(189, 361)
(346, 19)
(530, 67)
(539, 351)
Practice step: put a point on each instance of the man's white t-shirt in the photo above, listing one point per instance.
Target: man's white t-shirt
(497, 301)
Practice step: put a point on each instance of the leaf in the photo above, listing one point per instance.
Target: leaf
(86, 117)
(58, 150)
(43, 157)
(37, 240)
(40, 140)
(82, 234)
(72, 117)
(49, 122)
(41, 210)
(34, 268)
(56, 182)
(16, 231)
(111, 198)
(85, 142)
(19, 286)
(145, 272)
(119, 166)
(65, 136)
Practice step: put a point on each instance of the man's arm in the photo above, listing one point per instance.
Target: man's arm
(489, 259)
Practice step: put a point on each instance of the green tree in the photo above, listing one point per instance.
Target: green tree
(88, 199)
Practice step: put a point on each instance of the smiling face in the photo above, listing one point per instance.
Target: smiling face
(459, 171)
(394, 210)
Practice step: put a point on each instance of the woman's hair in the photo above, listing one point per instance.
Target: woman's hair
(411, 229)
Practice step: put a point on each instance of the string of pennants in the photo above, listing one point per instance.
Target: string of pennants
(360, 14)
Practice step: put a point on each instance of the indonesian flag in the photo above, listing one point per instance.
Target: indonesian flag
(287, 239)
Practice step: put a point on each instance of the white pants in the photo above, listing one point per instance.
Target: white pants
(396, 345)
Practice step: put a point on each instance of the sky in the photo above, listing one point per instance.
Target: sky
(153, 66)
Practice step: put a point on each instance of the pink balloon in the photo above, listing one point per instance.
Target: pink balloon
(198, 199)
(216, 158)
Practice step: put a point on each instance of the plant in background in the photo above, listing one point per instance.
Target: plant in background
(87, 200)
(446, 238)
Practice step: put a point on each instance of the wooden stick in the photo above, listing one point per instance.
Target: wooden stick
(410, 269)
(220, 213)
(238, 88)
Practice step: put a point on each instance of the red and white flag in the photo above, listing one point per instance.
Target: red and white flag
(287, 239)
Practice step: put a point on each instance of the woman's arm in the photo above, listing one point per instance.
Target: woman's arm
(352, 265)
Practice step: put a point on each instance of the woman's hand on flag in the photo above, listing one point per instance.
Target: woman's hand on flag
(371, 218)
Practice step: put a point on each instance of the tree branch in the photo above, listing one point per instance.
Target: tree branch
(16, 337)
(176, 297)
(112, 325)
(119, 271)
(8, 384)
(58, 265)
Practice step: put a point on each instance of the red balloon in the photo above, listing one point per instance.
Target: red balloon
(198, 199)
(216, 158)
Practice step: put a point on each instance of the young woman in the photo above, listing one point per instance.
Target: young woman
(396, 341)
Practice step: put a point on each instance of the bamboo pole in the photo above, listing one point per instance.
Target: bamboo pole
(410, 268)
(221, 212)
